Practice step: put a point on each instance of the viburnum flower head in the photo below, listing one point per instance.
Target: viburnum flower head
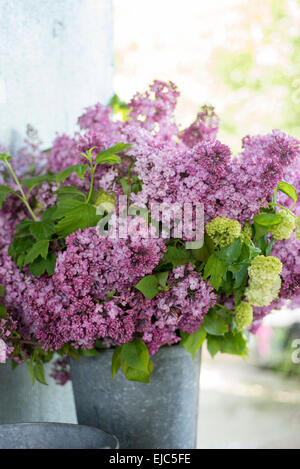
(284, 229)
(264, 280)
(264, 269)
(223, 231)
(297, 232)
(243, 315)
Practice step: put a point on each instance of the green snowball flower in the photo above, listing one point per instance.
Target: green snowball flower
(297, 232)
(248, 230)
(244, 315)
(223, 231)
(264, 280)
(284, 229)
(264, 270)
(260, 295)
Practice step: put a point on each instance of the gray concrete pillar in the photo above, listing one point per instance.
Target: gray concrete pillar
(56, 58)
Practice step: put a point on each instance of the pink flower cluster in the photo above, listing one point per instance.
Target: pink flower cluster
(91, 296)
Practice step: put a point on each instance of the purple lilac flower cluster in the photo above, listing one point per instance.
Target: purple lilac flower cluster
(92, 293)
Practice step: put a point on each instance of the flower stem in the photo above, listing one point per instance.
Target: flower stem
(23, 196)
(92, 184)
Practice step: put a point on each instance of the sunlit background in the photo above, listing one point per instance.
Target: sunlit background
(244, 58)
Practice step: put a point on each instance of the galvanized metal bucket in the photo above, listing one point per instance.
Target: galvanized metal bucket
(54, 436)
(161, 414)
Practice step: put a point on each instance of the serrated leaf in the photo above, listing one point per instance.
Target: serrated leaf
(148, 286)
(176, 256)
(39, 266)
(215, 324)
(38, 249)
(231, 253)
(234, 343)
(192, 342)
(50, 214)
(69, 192)
(65, 206)
(42, 229)
(110, 156)
(288, 190)
(83, 216)
(215, 268)
(79, 169)
(32, 182)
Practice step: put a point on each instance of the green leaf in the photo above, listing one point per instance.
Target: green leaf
(39, 266)
(201, 254)
(268, 219)
(30, 368)
(148, 286)
(88, 155)
(288, 189)
(162, 278)
(231, 253)
(38, 249)
(214, 323)
(215, 268)
(116, 361)
(30, 183)
(213, 345)
(109, 156)
(50, 214)
(234, 343)
(135, 361)
(4, 193)
(79, 169)
(2, 291)
(83, 216)
(69, 192)
(136, 354)
(177, 256)
(270, 247)
(132, 374)
(65, 206)
(39, 373)
(3, 311)
(192, 342)
(126, 186)
(42, 229)
(5, 157)
(240, 274)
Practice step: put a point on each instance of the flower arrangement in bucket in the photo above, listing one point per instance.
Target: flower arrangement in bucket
(91, 257)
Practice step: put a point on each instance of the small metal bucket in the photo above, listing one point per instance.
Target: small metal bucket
(160, 414)
(54, 436)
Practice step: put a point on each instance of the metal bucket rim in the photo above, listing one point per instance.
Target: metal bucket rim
(61, 424)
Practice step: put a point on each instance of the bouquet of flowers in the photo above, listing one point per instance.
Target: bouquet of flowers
(91, 256)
